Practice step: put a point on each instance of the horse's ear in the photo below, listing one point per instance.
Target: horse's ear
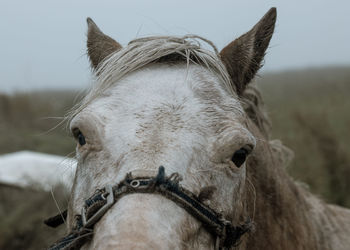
(99, 45)
(243, 57)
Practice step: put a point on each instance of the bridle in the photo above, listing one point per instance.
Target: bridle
(96, 206)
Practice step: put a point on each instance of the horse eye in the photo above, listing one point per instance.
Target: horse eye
(239, 157)
(81, 139)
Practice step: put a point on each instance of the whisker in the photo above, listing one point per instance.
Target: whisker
(57, 206)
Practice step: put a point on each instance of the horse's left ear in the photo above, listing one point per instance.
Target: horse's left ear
(243, 57)
(99, 45)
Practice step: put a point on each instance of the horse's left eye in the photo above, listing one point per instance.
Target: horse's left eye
(239, 157)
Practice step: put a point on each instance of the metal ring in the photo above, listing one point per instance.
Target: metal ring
(135, 183)
(103, 196)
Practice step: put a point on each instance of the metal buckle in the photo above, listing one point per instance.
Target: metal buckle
(135, 183)
(99, 213)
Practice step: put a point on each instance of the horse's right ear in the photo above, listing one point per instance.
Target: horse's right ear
(99, 45)
(243, 57)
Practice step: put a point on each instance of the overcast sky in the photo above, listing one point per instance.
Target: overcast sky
(42, 42)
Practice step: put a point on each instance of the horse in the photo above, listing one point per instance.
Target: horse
(174, 152)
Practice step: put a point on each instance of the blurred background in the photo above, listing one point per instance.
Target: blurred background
(305, 84)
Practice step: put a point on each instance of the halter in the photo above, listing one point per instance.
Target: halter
(96, 206)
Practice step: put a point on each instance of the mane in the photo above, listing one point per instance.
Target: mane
(168, 49)
(253, 105)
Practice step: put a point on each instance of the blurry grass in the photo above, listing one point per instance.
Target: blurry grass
(310, 113)
(21, 214)
(25, 124)
(27, 121)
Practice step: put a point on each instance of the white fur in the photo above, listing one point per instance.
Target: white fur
(157, 116)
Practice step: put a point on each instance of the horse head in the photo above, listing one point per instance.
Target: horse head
(166, 101)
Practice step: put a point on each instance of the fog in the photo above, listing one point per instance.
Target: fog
(43, 42)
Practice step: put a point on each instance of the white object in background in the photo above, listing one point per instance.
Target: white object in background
(25, 168)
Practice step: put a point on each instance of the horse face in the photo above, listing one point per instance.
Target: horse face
(175, 115)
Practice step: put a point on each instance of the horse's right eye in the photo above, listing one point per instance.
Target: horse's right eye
(81, 139)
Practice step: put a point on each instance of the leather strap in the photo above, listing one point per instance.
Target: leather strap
(95, 207)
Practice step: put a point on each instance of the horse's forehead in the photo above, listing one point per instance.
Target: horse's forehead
(163, 85)
(165, 103)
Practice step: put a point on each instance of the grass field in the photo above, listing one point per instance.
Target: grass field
(310, 113)
(309, 110)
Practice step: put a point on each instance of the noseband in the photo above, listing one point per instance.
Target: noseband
(97, 205)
